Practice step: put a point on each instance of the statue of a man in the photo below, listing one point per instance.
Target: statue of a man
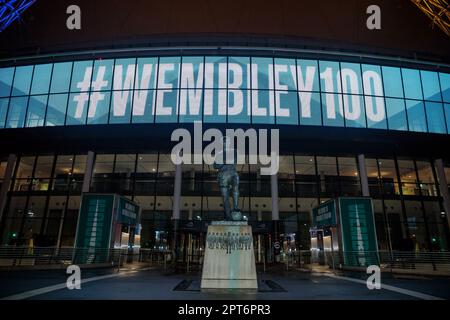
(228, 180)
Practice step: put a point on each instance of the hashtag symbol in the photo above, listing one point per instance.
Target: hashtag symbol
(96, 96)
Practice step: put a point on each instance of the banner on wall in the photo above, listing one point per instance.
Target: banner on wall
(221, 89)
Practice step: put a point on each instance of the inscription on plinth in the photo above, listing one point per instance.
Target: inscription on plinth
(229, 261)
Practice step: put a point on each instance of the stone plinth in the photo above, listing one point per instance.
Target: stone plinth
(229, 261)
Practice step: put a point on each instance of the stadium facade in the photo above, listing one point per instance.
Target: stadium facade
(352, 123)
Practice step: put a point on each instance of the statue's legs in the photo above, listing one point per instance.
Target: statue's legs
(235, 186)
(226, 202)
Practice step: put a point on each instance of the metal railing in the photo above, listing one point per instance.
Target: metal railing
(155, 256)
(390, 261)
(15, 256)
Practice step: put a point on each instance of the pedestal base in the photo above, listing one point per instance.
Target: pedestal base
(229, 261)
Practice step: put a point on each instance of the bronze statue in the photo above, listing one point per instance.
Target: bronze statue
(228, 179)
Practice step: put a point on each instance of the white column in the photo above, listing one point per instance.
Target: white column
(443, 187)
(363, 175)
(274, 193)
(177, 193)
(88, 171)
(6, 182)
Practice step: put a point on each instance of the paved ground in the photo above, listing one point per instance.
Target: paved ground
(154, 284)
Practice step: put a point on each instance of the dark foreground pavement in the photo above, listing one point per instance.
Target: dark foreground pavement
(154, 284)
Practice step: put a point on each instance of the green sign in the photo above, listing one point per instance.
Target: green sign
(325, 214)
(127, 212)
(94, 227)
(359, 240)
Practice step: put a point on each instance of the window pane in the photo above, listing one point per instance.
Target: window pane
(56, 110)
(143, 106)
(125, 163)
(308, 75)
(81, 76)
(262, 73)
(310, 109)
(167, 95)
(41, 78)
(17, 111)
(191, 105)
(191, 97)
(80, 164)
(215, 106)
(286, 107)
(374, 101)
(166, 105)
(375, 112)
(61, 77)
(238, 72)
(238, 106)
(349, 177)
(147, 163)
(102, 76)
(411, 83)
(327, 170)
(216, 71)
(351, 78)
(263, 106)
(25, 167)
(166, 168)
(354, 111)
(6, 78)
(44, 166)
(435, 117)
(407, 171)
(332, 110)
(447, 115)
(285, 74)
(430, 83)
(143, 99)
(392, 81)
(396, 114)
(445, 86)
(77, 108)
(416, 116)
(63, 172)
(3, 110)
(22, 81)
(99, 108)
(36, 111)
(104, 163)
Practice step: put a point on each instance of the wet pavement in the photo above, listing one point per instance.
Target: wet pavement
(154, 284)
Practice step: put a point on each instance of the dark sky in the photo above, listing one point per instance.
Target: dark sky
(334, 24)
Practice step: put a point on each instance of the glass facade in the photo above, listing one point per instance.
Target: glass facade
(219, 89)
(45, 193)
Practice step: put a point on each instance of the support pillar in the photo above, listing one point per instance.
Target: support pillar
(275, 213)
(176, 209)
(6, 182)
(443, 187)
(363, 175)
(88, 171)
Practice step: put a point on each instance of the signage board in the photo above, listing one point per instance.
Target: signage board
(127, 211)
(358, 234)
(325, 214)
